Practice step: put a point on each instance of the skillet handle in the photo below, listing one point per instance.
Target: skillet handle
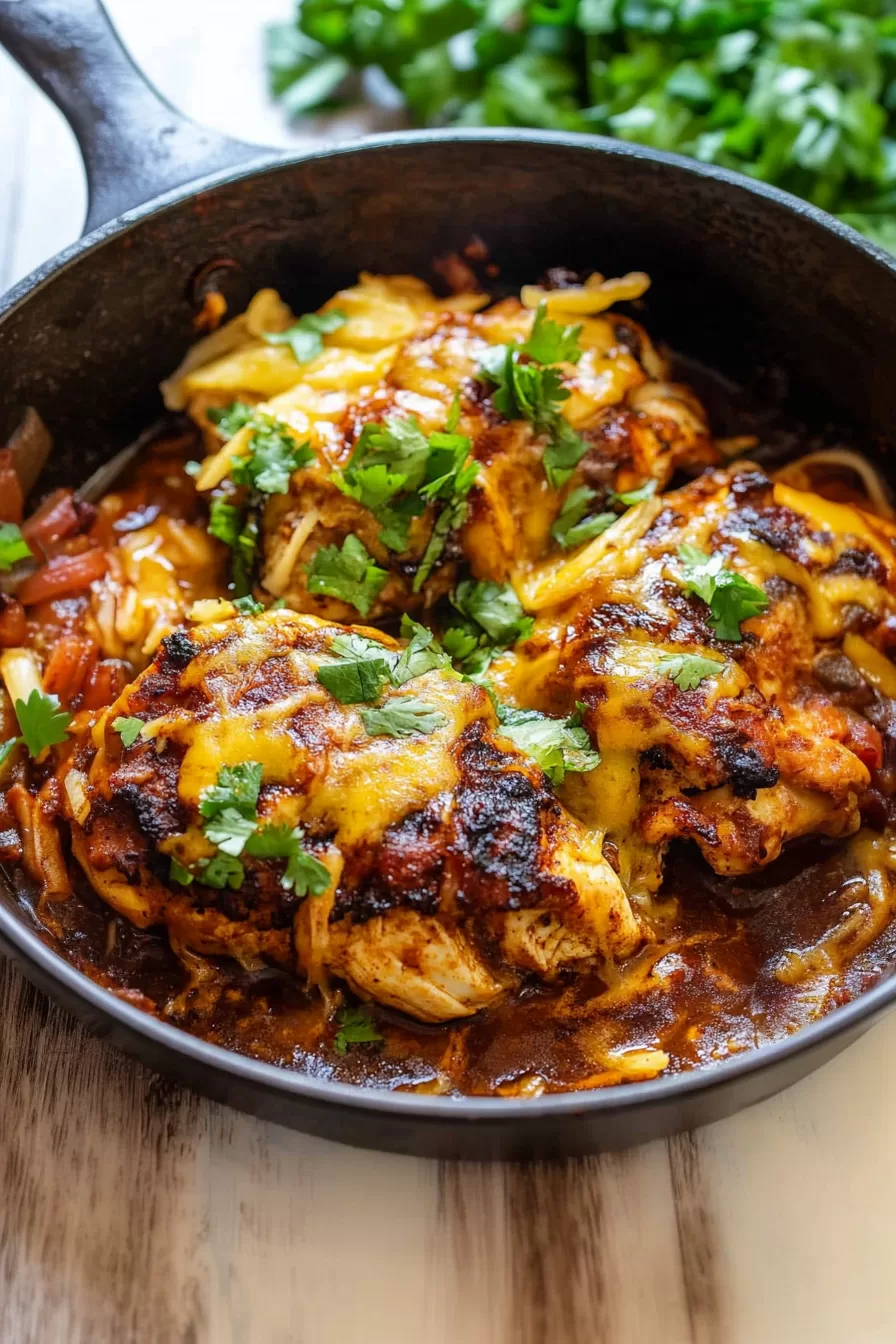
(135, 145)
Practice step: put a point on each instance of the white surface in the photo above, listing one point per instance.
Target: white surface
(127, 1212)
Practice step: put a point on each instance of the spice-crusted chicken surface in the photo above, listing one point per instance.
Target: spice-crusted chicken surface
(436, 852)
(739, 745)
(392, 353)
(602, 787)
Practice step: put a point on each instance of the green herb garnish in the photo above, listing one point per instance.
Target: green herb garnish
(730, 597)
(687, 670)
(42, 721)
(798, 93)
(348, 574)
(574, 524)
(229, 420)
(128, 729)
(304, 874)
(632, 497)
(248, 606)
(272, 458)
(534, 391)
(404, 716)
(356, 1027)
(557, 745)
(305, 337)
(13, 546)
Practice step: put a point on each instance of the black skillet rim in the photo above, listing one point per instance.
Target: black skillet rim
(408, 1105)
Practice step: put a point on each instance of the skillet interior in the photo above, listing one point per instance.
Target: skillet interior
(737, 277)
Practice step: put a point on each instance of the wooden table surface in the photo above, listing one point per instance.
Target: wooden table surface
(131, 1210)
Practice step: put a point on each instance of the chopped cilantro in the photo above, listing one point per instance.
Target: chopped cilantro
(304, 874)
(534, 391)
(13, 546)
(730, 597)
(557, 745)
(687, 670)
(225, 521)
(468, 647)
(42, 721)
(229, 420)
(524, 391)
(128, 729)
(404, 716)
(563, 453)
(178, 873)
(7, 749)
(222, 871)
(361, 672)
(423, 653)
(574, 524)
(229, 830)
(395, 470)
(495, 607)
(631, 497)
(305, 336)
(365, 667)
(248, 606)
(244, 556)
(549, 343)
(356, 1027)
(272, 458)
(348, 574)
(237, 787)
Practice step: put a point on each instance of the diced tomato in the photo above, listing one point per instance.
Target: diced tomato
(11, 502)
(105, 684)
(12, 622)
(863, 738)
(62, 514)
(62, 576)
(70, 663)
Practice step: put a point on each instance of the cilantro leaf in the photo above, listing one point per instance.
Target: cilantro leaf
(495, 607)
(423, 654)
(229, 830)
(272, 458)
(631, 497)
(178, 873)
(404, 716)
(687, 670)
(388, 460)
(534, 391)
(549, 343)
(356, 1027)
(7, 749)
(304, 874)
(572, 526)
(247, 606)
(128, 729)
(229, 420)
(348, 574)
(42, 721)
(222, 871)
(237, 787)
(730, 597)
(304, 337)
(225, 521)
(356, 679)
(557, 745)
(13, 546)
(563, 453)
(468, 647)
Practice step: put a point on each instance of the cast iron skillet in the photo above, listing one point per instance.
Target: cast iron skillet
(743, 276)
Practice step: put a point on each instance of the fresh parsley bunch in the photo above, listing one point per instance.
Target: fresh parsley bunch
(801, 93)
